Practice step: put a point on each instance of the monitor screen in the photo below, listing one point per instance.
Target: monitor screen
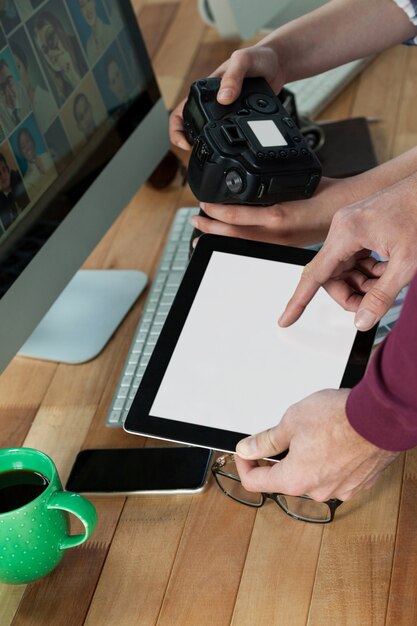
(76, 84)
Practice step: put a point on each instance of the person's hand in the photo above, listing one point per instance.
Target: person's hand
(176, 127)
(254, 61)
(295, 223)
(385, 223)
(258, 60)
(327, 458)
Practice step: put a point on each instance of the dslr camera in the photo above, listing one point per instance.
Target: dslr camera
(248, 152)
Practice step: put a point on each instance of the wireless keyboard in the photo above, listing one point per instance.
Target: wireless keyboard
(313, 94)
(165, 285)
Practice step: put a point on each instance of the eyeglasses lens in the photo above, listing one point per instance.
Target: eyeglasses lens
(233, 486)
(305, 508)
(234, 489)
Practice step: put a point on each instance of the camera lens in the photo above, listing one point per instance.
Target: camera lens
(234, 181)
(262, 103)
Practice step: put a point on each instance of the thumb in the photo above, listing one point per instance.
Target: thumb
(231, 81)
(378, 300)
(265, 444)
(230, 87)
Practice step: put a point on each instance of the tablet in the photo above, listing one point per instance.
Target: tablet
(222, 367)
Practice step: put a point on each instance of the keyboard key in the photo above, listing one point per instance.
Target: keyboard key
(113, 418)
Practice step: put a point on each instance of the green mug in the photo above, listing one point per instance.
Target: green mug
(34, 521)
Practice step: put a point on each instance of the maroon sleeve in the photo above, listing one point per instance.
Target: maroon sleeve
(383, 406)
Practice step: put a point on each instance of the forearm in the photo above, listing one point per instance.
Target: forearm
(338, 32)
(370, 182)
(333, 194)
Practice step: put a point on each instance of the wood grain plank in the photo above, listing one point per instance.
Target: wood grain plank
(23, 385)
(55, 424)
(10, 597)
(14, 425)
(278, 577)
(356, 555)
(402, 606)
(175, 56)
(138, 5)
(207, 569)
(406, 127)
(170, 88)
(138, 566)
(379, 95)
(154, 20)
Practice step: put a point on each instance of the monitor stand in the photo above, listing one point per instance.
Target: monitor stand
(85, 316)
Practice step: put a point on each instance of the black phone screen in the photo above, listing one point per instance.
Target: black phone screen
(135, 470)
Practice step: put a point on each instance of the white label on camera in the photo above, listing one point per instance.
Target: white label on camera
(267, 133)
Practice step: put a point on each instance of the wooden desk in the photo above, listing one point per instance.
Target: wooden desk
(204, 559)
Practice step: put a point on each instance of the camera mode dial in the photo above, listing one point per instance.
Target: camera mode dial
(234, 181)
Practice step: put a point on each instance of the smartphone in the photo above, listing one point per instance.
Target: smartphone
(140, 471)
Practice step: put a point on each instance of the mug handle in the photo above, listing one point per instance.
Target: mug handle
(81, 508)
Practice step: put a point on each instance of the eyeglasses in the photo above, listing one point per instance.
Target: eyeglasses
(299, 507)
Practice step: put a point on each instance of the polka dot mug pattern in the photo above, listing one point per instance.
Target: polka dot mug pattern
(34, 537)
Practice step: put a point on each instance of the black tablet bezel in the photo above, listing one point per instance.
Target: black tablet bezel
(139, 420)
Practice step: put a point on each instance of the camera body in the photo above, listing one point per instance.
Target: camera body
(248, 152)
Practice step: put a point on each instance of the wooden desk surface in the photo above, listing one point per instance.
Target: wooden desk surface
(204, 559)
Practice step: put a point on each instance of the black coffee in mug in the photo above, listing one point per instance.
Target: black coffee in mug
(19, 487)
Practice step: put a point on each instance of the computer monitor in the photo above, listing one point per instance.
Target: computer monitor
(82, 126)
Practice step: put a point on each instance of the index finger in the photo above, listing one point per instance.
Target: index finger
(315, 275)
(236, 214)
(307, 287)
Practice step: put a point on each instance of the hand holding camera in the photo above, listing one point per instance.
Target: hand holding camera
(248, 152)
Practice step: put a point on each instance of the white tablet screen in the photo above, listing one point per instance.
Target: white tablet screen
(233, 367)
